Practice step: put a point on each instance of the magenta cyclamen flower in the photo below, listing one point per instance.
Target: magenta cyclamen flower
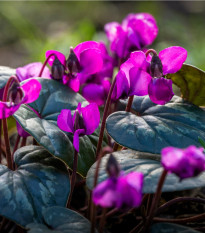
(139, 76)
(119, 190)
(31, 70)
(84, 121)
(184, 163)
(26, 93)
(135, 32)
(97, 86)
(84, 60)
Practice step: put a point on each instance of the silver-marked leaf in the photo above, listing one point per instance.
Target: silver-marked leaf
(150, 127)
(61, 220)
(5, 74)
(43, 127)
(40, 181)
(171, 228)
(149, 165)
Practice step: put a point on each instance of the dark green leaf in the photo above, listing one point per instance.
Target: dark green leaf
(53, 98)
(171, 228)
(153, 127)
(61, 220)
(5, 74)
(149, 165)
(202, 142)
(40, 181)
(191, 82)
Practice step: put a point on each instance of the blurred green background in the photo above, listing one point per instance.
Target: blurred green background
(28, 28)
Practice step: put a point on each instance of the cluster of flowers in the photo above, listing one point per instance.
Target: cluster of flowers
(90, 67)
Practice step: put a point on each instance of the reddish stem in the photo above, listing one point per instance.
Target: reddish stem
(5, 127)
(128, 108)
(155, 201)
(23, 142)
(44, 64)
(150, 51)
(16, 146)
(73, 178)
(107, 105)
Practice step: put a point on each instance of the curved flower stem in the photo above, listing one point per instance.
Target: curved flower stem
(102, 220)
(73, 178)
(115, 147)
(155, 201)
(5, 127)
(137, 228)
(44, 64)
(16, 145)
(23, 142)
(182, 220)
(150, 51)
(129, 104)
(107, 105)
(128, 108)
(179, 199)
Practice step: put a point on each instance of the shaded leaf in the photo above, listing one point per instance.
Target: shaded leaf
(40, 181)
(149, 165)
(191, 81)
(151, 127)
(171, 228)
(61, 220)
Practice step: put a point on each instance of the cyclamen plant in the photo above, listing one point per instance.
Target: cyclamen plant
(73, 164)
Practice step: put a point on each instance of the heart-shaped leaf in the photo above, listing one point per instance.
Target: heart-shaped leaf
(43, 127)
(5, 74)
(191, 82)
(149, 165)
(40, 181)
(61, 220)
(171, 228)
(153, 127)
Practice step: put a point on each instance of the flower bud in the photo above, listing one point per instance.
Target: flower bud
(72, 62)
(79, 122)
(15, 94)
(156, 67)
(112, 167)
(57, 69)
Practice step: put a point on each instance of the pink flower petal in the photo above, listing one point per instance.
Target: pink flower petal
(111, 30)
(84, 46)
(143, 25)
(122, 86)
(21, 131)
(61, 57)
(118, 37)
(31, 90)
(104, 194)
(32, 70)
(172, 59)
(160, 90)
(74, 84)
(65, 121)
(76, 136)
(94, 93)
(139, 81)
(185, 163)
(91, 61)
(91, 117)
(7, 109)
